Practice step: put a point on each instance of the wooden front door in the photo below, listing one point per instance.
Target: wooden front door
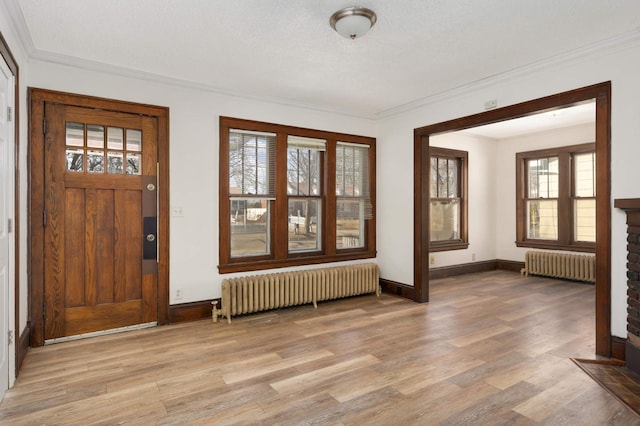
(100, 220)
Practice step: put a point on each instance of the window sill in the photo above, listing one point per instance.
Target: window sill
(455, 245)
(583, 248)
(274, 264)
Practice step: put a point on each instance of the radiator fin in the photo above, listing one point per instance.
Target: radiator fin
(243, 295)
(560, 265)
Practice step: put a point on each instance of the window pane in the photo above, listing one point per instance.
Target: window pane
(75, 134)
(543, 177)
(303, 170)
(542, 219)
(442, 178)
(95, 161)
(340, 171)
(349, 224)
(585, 174)
(133, 164)
(250, 163)
(554, 177)
(134, 140)
(434, 177)
(304, 232)
(348, 172)
(585, 220)
(115, 138)
(95, 136)
(75, 160)
(249, 227)
(114, 163)
(445, 220)
(452, 178)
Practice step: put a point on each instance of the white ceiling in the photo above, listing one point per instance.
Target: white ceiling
(558, 118)
(285, 50)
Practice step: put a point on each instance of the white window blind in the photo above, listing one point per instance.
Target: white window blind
(352, 176)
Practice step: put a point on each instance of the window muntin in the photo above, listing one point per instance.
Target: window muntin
(556, 198)
(447, 204)
(295, 221)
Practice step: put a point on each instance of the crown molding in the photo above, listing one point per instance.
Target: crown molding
(19, 25)
(620, 42)
(89, 65)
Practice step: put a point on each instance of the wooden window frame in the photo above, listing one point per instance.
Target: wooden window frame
(279, 251)
(462, 157)
(565, 199)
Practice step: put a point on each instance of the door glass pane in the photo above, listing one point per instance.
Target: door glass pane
(349, 224)
(542, 219)
(115, 138)
(95, 136)
(585, 220)
(134, 162)
(75, 160)
(304, 232)
(444, 220)
(95, 161)
(134, 140)
(249, 223)
(114, 163)
(75, 134)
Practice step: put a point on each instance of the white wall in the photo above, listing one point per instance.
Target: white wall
(506, 184)
(619, 63)
(194, 136)
(481, 201)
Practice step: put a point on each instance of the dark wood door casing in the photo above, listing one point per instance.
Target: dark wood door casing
(39, 141)
(601, 93)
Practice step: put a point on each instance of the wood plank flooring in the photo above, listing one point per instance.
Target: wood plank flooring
(490, 348)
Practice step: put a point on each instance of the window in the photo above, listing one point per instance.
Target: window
(292, 196)
(447, 199)
(556, 198)
(352, 191)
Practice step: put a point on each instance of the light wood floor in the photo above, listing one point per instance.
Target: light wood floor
(490, 348)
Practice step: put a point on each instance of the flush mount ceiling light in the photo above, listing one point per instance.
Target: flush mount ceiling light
(353, 22)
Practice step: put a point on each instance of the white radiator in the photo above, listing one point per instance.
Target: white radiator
(560, 265)
(256, 293)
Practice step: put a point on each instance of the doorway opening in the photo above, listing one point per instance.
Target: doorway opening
(601, 95)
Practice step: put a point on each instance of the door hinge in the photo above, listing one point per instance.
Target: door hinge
(44, 126)
(44, 218)
(9, 114)
(10, 225)
(10, 336)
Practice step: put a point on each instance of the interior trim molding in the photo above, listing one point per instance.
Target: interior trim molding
(192, 311)
(618, 348)
(397, 289)
(601, 93)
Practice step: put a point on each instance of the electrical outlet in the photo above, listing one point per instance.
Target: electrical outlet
(178, 293)
(432, 260)
(473, 257)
